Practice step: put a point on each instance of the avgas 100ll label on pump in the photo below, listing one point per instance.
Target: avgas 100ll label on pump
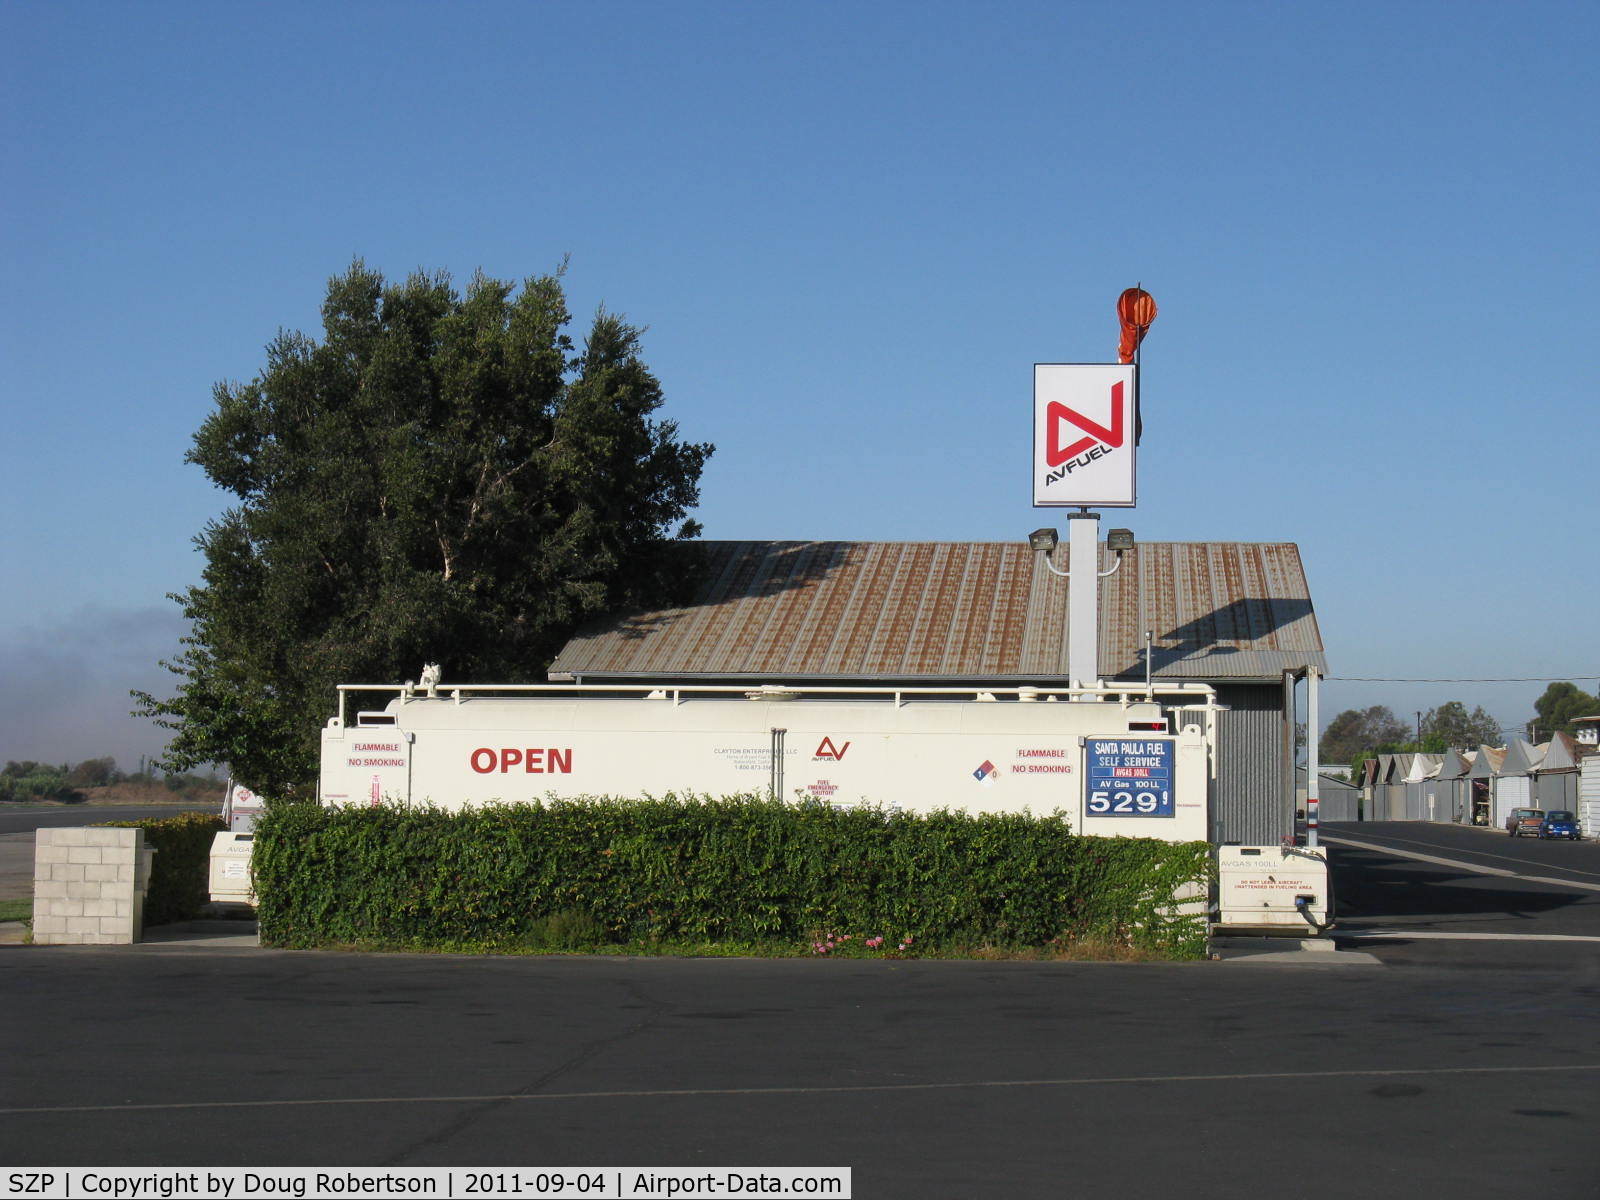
(1128, 777)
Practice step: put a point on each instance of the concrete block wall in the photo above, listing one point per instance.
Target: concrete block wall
(89, 886)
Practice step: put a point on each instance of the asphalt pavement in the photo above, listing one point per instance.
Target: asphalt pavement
(1491, 849)
(1452, 880)
(18, 823)
(1413, 1070)
(927, 1078)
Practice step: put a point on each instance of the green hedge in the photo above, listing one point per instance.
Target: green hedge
(729, 870)
(180, 874)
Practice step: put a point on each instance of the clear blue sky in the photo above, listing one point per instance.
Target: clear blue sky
(851, 230)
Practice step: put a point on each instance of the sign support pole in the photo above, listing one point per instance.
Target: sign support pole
(1083, 598)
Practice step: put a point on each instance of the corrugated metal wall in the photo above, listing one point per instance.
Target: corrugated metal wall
(1450, 801)
(1416, 804)
(1252, 807)
(1338, 800)
(1510, 791)
(1339, 804)
(1436, 800)
(1589, 798)
(1392, 802)
(1556, 790)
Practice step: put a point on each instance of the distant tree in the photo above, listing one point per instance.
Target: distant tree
(1410, 746)
(31, 781)
(1355, 730)
(1452, 727)
(93, 772)
(1554, 711)
(442, 478)
(1431, 743)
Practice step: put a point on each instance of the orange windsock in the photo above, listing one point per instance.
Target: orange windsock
(1136, 309)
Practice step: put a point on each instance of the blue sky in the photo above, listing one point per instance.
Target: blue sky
(851, 230)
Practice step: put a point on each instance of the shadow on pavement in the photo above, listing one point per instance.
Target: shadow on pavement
(205, 932)
(1368, 884)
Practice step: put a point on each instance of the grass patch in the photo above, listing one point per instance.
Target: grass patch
(16, 910)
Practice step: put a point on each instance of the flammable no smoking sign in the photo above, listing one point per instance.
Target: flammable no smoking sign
(1083, 434)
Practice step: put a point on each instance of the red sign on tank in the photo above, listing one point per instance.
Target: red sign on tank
(533, 760)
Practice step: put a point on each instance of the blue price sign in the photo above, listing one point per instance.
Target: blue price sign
(1128, 777)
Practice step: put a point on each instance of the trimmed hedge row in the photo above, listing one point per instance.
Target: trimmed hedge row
(180, 873)
(736, 869)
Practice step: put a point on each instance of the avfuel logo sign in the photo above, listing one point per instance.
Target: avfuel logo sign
(829, 750)
(1083, 434)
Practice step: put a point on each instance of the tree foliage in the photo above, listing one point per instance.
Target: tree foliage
(30, 782)
(94, 772)
(1355, 730)
(1452, 727)
(441, 478)
(1554, 711)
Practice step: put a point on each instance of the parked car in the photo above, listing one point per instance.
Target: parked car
(1558, 823)
(1524, 820)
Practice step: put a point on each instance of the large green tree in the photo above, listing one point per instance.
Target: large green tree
(1452, 727)
(442, 477)
(1357, 729)
(1555, 709)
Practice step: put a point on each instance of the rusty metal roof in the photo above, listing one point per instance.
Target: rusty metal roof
(943, 611)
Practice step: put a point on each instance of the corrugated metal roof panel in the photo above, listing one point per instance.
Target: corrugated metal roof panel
(1488, 762)
(962, 610)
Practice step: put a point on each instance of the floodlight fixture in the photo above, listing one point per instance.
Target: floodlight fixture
(1043, 539)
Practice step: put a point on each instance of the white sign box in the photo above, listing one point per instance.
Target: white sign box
(1083, 434)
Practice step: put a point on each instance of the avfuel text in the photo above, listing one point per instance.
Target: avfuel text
(1083, 460)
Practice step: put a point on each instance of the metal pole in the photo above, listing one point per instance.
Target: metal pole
(1286, 772)
(1083, 598)
(775, 778)
(1313, 791)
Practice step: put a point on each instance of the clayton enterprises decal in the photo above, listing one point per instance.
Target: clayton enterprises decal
(1083, 434)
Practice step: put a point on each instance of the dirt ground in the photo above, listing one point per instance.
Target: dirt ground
(152, 793)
